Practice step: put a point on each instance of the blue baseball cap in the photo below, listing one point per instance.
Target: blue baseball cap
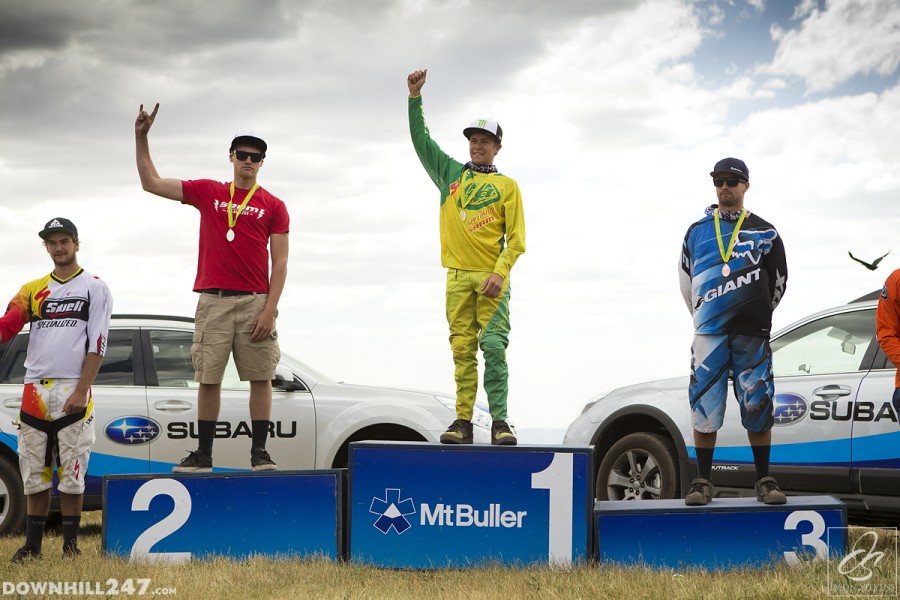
(732, 166)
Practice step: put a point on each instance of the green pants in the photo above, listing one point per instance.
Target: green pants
(475, 320)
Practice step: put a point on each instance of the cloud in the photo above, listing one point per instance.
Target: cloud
(831, 46)
(611, 128)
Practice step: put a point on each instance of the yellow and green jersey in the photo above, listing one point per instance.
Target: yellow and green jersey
(481, 216)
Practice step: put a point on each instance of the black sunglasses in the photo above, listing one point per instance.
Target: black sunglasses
(718, 181)
(254, 156)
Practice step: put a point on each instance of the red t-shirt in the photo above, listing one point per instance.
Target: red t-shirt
(243, 263)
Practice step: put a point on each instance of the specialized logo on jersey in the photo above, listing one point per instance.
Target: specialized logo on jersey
(480, 220)
(133, 430)
(38, 301)
(789, 409)
(55, 312)
(753, 244)
(392, 511)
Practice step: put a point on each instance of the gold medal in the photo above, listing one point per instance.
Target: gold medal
(462, 215)
(230, 235)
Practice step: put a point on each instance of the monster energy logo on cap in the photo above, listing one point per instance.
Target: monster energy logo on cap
(487, 125)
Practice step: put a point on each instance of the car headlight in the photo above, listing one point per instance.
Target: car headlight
(590, 403)
(481, 417)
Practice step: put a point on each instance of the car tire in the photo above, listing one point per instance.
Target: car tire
(640, 466)
(12, 499)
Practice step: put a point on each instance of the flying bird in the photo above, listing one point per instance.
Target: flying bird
(870, 266)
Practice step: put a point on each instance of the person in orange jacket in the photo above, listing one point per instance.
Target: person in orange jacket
(887, 327)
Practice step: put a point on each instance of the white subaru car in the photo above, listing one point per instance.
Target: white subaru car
(836, 431)
(145, 403)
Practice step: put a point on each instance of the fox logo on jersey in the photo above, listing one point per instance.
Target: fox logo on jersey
(759, 243)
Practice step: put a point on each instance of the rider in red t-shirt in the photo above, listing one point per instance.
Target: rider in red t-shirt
(242, 227)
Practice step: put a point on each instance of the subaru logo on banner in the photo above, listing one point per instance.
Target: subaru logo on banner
(789, 409)
(131, 431)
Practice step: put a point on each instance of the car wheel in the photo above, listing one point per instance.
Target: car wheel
(12, 499)
(640, 466)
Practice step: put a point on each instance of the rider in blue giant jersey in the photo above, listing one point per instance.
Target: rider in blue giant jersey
(742, 301)
(733, 275)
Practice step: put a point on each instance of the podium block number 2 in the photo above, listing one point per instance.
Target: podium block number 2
(166, 527)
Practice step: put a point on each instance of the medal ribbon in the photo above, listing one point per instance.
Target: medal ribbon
(232, 221)
(734, 235)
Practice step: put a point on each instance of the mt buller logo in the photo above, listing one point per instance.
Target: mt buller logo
(789, 409)
(392, 511)
(130, 431)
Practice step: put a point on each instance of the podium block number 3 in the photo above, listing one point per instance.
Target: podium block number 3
(813, 539)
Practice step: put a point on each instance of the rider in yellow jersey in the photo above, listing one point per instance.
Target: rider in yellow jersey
(482, 234)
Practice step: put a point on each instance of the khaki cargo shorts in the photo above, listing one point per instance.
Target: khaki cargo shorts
(223, 326)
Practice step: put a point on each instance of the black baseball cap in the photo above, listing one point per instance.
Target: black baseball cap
(249, 138)
(734, 166)
(59, 225)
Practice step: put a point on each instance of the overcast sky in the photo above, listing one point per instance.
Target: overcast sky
(614, 112)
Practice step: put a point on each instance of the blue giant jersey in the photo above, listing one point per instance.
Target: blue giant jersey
(743, 300)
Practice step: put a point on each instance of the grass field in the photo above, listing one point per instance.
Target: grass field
(266, 578)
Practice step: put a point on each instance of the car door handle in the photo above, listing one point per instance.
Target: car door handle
(173, 405)
(13, 403)
(832, 390)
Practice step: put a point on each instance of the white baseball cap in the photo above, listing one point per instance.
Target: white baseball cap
(487, 125)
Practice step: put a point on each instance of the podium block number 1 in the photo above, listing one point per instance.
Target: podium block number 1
(557, 478)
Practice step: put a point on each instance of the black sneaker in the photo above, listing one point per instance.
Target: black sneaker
(700, 492)
(195, 462)
(502, 435)
(459, 432)
(261, 461)
(767, 491)
(71, 551)
(24, 553)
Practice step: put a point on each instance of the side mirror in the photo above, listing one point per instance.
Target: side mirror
(280, 383)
